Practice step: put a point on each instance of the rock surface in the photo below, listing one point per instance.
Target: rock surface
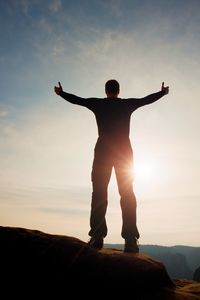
(40, 263)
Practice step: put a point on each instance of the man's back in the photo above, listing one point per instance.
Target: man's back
(112, 114)
(113, 118)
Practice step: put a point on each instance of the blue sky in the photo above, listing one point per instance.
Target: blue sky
(45, 155)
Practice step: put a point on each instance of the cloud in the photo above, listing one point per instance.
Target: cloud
(113, 7)
(3, 113)
(45, 26)
(8, 129)
(25, 5)
(22, 6)
(55, 5)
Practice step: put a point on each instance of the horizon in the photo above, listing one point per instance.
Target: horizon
(47, 144)
(153, 245)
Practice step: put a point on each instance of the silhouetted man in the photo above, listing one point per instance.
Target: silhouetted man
(113, 150)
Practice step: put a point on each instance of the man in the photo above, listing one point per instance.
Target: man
(113, 150)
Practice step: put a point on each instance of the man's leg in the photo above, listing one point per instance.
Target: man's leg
(101, 173)
(124, 175)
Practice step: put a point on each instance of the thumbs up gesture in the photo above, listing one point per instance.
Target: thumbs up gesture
(58, 89)
(164, 88)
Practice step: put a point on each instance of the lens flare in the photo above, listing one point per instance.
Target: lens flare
(145, 169)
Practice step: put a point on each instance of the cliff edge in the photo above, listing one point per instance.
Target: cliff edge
(41, 263)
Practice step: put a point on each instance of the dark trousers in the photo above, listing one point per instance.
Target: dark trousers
(119, 157)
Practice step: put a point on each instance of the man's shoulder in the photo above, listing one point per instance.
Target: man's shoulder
(107, 102)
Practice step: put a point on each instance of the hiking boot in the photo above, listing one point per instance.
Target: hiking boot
(96, 242)
(131, 246)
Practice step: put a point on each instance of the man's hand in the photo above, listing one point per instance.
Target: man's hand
(164, 88)
(58, 89)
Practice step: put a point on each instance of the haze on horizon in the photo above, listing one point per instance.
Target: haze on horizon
(45, 155)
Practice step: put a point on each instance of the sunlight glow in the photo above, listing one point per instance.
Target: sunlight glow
(151, 177)
(145, 169)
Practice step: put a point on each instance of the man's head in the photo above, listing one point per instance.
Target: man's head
(112, 88)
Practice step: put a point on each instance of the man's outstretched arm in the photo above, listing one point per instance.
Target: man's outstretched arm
(70, 97)
(152, 97)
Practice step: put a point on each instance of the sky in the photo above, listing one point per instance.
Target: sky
(46, 143)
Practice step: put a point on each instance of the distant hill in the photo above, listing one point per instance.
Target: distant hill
(196, 276)
(180, 261)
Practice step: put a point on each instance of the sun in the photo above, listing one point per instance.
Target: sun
(149, 171)
(144, 169)
(150, 176)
